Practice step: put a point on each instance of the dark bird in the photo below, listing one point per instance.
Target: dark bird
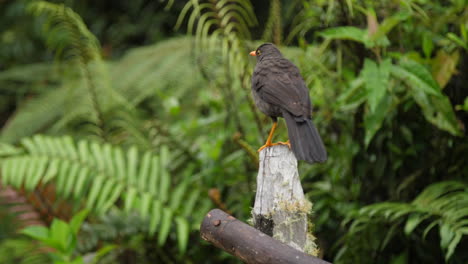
(279, 91)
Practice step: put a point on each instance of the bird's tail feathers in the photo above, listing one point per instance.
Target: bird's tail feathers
(305, 140)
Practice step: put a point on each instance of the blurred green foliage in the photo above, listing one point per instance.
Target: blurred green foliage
(147, 121)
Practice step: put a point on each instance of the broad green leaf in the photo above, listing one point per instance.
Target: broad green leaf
(457, 40)
(388, 24)
(353, 96)
(438, 111)
(376, 81)
(77, 220)
(348, 33)
(370, 75)
(417, 76)
(428, 45)
(436, 107)
(373, 120)
(78, 260)
(61, 235)
(37, 232)
(102, 252)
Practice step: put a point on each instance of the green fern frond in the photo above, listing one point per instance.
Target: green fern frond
(443, 204)
(66, 33)
(221, 29)
(97, 175)
(273, 28)
(220, 26)
(22, 251)
(31, 78)
(161, 73)
(86, 76)
(36, 115)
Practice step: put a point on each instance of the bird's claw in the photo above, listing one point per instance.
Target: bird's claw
(287, 143)
(267, 145)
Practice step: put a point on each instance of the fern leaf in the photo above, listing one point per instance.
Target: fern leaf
(443, 204)
(165, 226)
(23, 251)
(87, 173)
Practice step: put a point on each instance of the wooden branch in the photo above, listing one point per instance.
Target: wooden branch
(248, 243)
(280, 208)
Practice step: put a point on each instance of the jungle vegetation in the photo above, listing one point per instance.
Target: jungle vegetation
(123, 122)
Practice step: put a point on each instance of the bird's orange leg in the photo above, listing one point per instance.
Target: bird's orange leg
(270, 137)
(268, 143)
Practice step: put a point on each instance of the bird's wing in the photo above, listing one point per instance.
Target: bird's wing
(280, 84)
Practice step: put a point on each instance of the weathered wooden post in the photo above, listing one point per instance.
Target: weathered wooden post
(280, 211)
(280, 208)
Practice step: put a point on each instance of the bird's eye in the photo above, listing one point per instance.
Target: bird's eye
(258, 52)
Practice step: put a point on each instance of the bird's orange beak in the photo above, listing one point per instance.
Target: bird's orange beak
(253, 53)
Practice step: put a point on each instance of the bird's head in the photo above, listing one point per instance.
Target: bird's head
(266, 50)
